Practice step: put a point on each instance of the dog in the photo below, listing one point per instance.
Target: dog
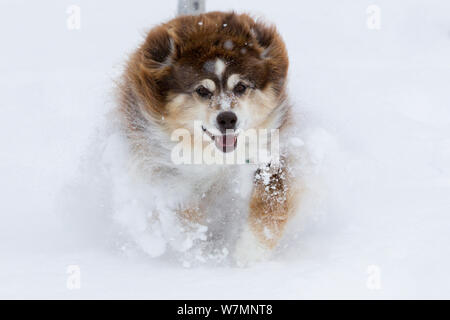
(219, 74)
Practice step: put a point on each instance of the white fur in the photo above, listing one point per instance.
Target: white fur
(208, 84)
(219, 68)
(149, 189)
(232, 81)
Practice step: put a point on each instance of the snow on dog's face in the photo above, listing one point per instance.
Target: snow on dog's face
(221, 71)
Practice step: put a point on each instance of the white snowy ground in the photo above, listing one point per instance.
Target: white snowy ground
(376, 106)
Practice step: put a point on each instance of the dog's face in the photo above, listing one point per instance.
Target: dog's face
(221, 71)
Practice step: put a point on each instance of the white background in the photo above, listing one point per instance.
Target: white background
(377, 105)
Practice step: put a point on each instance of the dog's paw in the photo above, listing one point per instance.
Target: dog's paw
(249, 250)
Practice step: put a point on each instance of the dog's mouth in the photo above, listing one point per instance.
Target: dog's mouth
(224, 142)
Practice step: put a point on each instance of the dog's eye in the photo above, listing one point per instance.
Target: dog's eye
(203, 92)
(240, 88)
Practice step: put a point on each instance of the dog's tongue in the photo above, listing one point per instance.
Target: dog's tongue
(225, 142)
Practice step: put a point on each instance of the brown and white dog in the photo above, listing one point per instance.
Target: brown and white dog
(224, 73)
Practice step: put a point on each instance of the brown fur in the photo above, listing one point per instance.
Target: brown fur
(272, 204)
(190, 41)
(159, 81)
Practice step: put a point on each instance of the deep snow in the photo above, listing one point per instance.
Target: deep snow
(375, 108)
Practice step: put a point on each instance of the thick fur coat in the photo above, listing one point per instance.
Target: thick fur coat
(186, 74)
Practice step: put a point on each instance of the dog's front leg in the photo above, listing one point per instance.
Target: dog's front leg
(272, 202)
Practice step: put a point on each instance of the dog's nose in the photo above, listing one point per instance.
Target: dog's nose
(226, 120)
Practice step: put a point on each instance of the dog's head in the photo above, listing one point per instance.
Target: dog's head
(224, 71)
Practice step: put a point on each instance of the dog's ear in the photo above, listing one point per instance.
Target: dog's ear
(273, 53)
(267, 37)
(264, 34)
(149, 68)
(158, 48)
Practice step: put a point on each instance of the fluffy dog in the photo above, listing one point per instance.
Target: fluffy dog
(219, 74)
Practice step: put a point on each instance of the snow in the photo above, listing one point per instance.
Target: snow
(374, 130)
(229, 45)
